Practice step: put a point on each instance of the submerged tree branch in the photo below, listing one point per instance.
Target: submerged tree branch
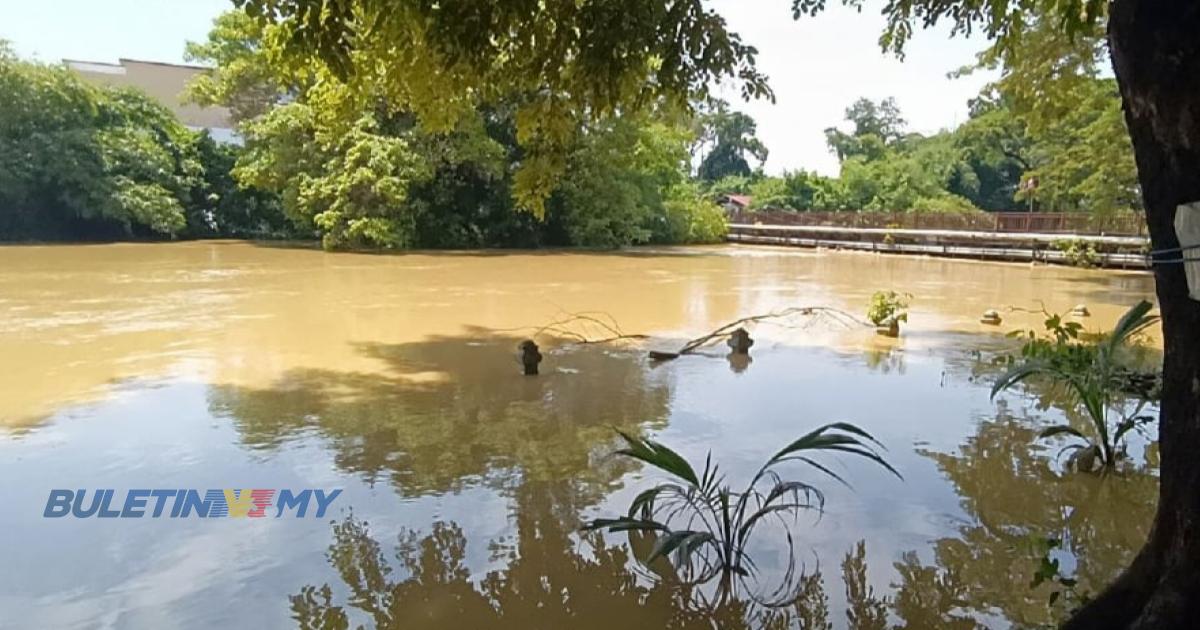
(607, 330)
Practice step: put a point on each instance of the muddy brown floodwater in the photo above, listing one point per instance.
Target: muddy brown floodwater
(394, 378)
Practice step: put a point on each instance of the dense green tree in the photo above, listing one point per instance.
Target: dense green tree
(245, 78)
(223, 207)
(877, 126)
(563, 63)
(355, 167)
(78, 161)
(800, 190)
(727, 141)
(996, 147)
(1075, 141)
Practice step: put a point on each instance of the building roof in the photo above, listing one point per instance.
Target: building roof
(738, 200)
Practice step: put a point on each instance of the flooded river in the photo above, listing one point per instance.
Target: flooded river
(463, 483)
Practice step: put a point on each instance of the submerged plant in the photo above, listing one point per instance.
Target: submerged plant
(1094, 376)
(705, 527)
(1078, 253)
(888, 308)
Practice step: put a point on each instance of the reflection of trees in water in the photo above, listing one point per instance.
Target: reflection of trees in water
(552, 579)
(885, 360)
(449, 411)
(1011, 491)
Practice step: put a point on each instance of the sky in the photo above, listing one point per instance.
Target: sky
(817, 66)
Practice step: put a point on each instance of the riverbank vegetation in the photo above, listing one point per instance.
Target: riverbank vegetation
(334, 152)
(1051, 119)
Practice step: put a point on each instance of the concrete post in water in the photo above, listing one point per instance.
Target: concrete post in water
(740, 341)
(990, 317)
(530, 357)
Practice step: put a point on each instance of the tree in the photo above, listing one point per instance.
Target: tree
(581, 58)
(996, 146)
(731, 143)
(245, 78)
(79, 161)
(1077, 145)
(564, 63)
(876, 127)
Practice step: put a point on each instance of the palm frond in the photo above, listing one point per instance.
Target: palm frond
(1134, 321)
(659, 456)
(1060, 429)
(1018, 373)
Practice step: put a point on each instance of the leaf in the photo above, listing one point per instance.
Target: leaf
(624, 524)
(1059, 429)
(685, 541)
(659, 456)
(1019, 373)
(1135, 320)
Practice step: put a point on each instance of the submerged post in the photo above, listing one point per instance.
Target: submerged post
(740, 341)
(530, 357)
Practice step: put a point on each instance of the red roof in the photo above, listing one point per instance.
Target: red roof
(740, 200)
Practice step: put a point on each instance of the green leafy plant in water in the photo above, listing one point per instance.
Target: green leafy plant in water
(887, 307)
(1077, 252)
(1096, 378)
(705, 527)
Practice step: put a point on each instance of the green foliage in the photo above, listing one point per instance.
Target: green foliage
(81, 161)
(730, 184)
(799, 190)
(877, 127)
(887, 307)
(620, 173)
(361, 168)
(729, 139)
(246, 79)
(1076, 143)
(689, 217)
(1077, 252)
(705, 527)
(1096, 377)
(565, 64)
(222, 207)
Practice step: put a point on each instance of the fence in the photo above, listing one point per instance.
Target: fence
(1125, 223)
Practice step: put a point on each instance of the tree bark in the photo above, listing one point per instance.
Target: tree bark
(1155, 47)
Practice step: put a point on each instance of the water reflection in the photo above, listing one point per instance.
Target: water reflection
(453, 411)
(1011, 490)
(553, 578)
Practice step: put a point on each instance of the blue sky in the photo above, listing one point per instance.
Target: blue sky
(817, 66)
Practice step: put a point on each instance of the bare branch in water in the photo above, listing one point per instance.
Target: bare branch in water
(603, 324)
(838, 316)
(592, 327)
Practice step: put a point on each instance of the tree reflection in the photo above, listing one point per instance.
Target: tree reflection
(449, 412)
(1012, 491)
(552, 578)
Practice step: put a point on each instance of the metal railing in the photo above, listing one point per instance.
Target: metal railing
(1124, 223)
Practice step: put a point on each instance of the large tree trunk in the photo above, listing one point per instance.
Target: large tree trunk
(1156, 56)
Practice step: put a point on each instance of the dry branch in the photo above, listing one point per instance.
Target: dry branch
(607, 330)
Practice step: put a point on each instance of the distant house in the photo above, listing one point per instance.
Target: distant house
(165, 83)
(734, 203)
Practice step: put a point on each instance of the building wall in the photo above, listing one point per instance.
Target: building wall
(162, 81)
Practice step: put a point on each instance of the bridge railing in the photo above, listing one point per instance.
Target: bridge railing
(1124, 223)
